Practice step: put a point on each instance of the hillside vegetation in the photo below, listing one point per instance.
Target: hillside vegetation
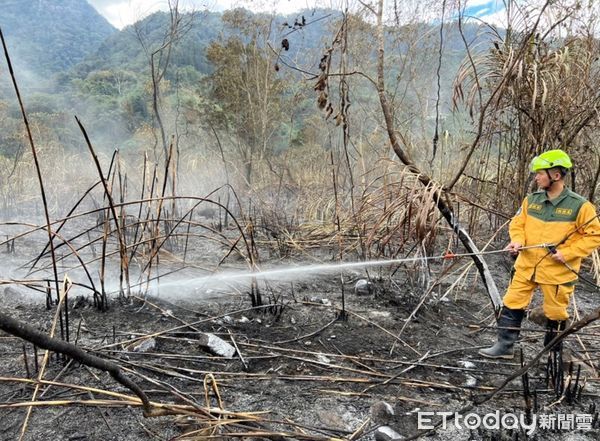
(274, 102)
(50, 36)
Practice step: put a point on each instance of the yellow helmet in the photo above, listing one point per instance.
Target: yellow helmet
(551, 159)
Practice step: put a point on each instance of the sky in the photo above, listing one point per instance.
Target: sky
(490, 11)
(121, 13)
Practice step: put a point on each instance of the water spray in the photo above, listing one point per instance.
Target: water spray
(293, 272)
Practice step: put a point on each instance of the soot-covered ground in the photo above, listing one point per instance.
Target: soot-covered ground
(317, 371)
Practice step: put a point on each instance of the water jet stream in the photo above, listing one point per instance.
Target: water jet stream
(290, 273)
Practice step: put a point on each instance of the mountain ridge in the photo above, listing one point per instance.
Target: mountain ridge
(49, 36)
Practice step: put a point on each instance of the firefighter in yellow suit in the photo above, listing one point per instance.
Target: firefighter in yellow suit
(566, 221)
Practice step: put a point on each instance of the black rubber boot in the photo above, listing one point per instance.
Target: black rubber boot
(509, 326)
(553, 327)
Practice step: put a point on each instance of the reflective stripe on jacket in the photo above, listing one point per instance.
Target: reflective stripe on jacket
(540, 221)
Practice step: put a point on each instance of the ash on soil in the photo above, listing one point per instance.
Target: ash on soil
(303, 360)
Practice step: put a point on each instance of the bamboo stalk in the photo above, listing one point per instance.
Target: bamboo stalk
(10, 325)
(107, 192)
(37, 165)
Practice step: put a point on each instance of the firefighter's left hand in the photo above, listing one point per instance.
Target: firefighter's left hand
(557, 255)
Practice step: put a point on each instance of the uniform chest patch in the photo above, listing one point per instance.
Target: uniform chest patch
(535, 207)
(563, 211)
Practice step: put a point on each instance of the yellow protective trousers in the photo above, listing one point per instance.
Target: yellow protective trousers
(556, 297)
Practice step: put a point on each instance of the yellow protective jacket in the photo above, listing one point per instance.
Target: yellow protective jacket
(568, 221)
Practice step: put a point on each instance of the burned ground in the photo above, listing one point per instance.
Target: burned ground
(313, 369)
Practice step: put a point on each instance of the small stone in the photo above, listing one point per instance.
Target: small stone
(145, 345)
(363, 287)
(332, 420)
(470, 381)
(216, 345)
(386, 433)
(323, 359)
(382, 412)
(467, 364)
(244, 319)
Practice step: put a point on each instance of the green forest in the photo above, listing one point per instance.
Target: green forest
(269, 104)
(225, 86)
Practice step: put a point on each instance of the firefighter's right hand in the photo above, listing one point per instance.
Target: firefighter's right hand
(513, 248)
